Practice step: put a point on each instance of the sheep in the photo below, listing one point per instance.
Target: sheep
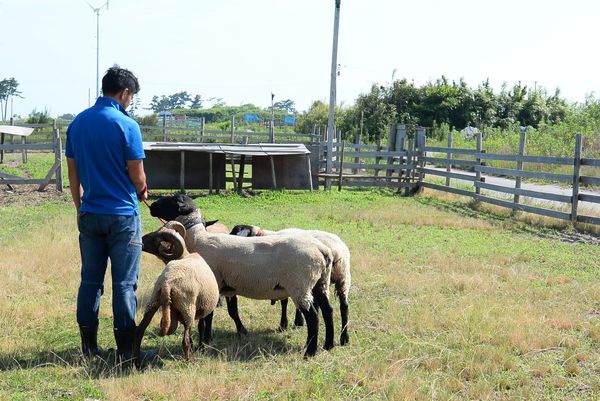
(340, 270)
(186, 289)
(276, 267)
(212, 226)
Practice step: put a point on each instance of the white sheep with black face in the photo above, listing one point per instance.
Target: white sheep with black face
(274, 267)
(340, 270)
(186, 289)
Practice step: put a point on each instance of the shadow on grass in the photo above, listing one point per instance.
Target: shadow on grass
(226, 345)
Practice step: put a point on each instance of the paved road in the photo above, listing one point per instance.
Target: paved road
(592, 208)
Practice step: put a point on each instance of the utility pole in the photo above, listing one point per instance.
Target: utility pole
(97, 11)
(332, 94)
(272, 119)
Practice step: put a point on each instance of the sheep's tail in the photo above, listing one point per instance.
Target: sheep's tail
(165, 298)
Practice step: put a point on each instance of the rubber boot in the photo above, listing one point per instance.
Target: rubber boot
(125, 340)
(89, 341)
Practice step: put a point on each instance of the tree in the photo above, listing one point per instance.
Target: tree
(285, 105)
(159, 104)
(175, 101)
(196, 102)
(316, 116)
(179, 100)
(8, 89)
(378, 113)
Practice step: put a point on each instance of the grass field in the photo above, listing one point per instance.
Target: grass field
(447, 303)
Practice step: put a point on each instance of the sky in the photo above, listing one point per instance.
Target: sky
(243, 50)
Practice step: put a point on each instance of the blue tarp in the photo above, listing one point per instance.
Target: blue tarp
(251, 118)
(289, 120)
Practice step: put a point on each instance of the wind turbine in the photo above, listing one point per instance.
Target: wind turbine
(97, 11)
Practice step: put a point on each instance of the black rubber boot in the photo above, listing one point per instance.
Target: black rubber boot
(125, 340)
(89, 341)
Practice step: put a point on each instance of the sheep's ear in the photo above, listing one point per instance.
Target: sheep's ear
(177, 226)
(185, 204)
(209, 223)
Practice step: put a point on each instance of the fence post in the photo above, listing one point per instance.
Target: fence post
(341, 175)
(411, 166)
(420, 144)
(58, 157)
(164, 127)
(201, 129)
(479, 139)
(232, 129)
(378, 158)
(576, 175)
(357, 141)
(449, 155)
(520, 164)
(329, 159)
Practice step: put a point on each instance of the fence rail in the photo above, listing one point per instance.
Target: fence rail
(51, 143)
(402, 164)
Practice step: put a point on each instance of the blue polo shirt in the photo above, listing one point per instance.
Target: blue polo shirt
(101, 139)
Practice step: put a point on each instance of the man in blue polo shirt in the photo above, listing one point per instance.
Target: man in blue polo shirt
(106, 175)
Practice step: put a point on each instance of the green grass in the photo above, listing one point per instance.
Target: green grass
(447, 303)
(36, 167)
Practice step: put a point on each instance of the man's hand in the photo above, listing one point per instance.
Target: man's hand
(143, 194)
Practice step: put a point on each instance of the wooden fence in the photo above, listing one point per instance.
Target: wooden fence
(52, 144)
(404, 164)
(401, 164)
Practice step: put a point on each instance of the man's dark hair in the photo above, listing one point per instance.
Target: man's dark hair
(116, 79)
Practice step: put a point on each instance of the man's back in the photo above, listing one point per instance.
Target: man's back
(101, 139)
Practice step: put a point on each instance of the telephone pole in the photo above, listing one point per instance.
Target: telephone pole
(332, 94)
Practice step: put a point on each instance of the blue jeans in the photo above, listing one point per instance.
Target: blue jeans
(102, 237)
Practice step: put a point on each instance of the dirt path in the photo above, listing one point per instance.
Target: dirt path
(547, 188)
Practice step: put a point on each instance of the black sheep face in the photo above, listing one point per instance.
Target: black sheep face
(170, 207)
(243, 230)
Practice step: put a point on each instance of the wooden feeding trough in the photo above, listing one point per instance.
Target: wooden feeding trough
(177, 165)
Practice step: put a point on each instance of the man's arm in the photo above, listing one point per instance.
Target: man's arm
(138, 177)
(74, 183)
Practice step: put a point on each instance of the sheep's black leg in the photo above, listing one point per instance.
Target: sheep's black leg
(187, 344)
(344, 337)
(201, 329)
(206, 333)
(312, 329)
(283, 322)
(322, 300)
(232, 309)
(298, 319)
(141, 328)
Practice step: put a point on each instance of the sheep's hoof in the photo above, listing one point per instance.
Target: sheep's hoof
(310, 353)
(282, 329)
(344, 339)
(242, 332)
(327, 346)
